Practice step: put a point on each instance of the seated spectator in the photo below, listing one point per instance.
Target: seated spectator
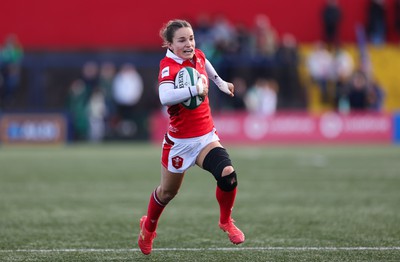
(358, 92)
(376, 96)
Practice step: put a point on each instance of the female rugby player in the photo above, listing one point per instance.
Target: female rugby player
(191, 138)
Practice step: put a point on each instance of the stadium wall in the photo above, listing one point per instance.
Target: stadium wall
(126, 24)
(297, 128)
(233, 128)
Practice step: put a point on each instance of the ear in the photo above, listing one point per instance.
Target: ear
(170, 46)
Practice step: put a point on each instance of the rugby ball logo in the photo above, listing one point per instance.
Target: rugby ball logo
(186, 77)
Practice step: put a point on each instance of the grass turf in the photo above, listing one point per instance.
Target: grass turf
(301, 203)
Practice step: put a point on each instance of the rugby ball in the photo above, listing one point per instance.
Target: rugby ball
(188, 76)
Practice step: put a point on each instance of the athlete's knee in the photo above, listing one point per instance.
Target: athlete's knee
(227, 171)
(218, 163)
(228, 183)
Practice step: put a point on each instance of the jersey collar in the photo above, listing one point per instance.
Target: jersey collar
(176, 58)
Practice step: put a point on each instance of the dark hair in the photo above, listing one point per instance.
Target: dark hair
(167, 32)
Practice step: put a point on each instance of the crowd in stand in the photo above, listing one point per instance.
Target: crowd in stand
(251, 55)
(262, 64)
(103, 101)
(344, 85)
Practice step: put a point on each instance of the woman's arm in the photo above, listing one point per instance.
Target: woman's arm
(224, 86)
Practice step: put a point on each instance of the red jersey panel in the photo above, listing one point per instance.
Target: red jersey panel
(186, 123)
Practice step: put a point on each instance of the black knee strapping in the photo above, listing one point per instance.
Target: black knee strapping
(228, 183)
(216, 160)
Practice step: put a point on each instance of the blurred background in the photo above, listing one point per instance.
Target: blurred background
(304, 71)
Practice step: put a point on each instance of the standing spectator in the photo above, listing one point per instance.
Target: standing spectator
(265, 36)
(106, 79)
(127, 90)
(265, 44)
(77, 108)
(203, 33)
(331, 17)
(343, 66)
(224, 34)
(319, 64)
(397, 17)
(243, 40)
(11, 55)
(291, 93)
(376, 23)
(90, 76)
(96, 114)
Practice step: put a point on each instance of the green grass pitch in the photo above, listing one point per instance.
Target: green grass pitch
(294, 203)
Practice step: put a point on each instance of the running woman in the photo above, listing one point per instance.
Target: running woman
(191, 138)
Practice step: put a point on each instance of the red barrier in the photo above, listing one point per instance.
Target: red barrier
(76, 24)
(243, 128)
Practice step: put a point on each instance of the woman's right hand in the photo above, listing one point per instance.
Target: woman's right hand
(202, 86)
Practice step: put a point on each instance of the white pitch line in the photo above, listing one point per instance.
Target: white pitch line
(105, 250)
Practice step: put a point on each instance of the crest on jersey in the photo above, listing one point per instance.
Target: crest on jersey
(165, 72)
(177, 162)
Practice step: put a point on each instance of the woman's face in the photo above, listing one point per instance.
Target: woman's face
(183, 43)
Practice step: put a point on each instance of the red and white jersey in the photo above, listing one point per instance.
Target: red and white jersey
(186, 123)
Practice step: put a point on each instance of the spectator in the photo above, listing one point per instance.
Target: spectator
(358, 92)
(77, 108)
(376, 96)
(127, 90)
(376, 23)
(343, 64)
(106, 79)
(265, 44)
(202, 30)
(243, 40)
(96, 114)
(90, 76)
(331, 17)
(224, 34)
(287, 61)
(262, 97)
(11, 56)
(319, 64)
(397, 17)
(265, 36)
(343, 67)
